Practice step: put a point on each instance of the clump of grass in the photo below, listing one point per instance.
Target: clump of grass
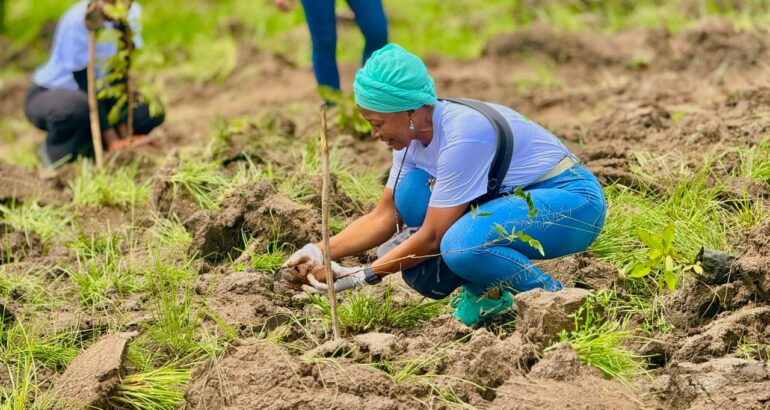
(269, 261)
(599, 340)
(169, 235)
(202, 180)
(362, 311)
(110, 186)
(156, 389)
(176, 316)
(30, 217)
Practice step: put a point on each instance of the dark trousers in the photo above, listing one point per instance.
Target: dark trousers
(322, 23)
(64, 115)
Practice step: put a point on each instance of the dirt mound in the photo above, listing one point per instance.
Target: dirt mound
(18, 185)
(252, 211)
(17, 246)
(723, 335)
(723, 383)
(586, 392)
(169, 199)
(713, 43)
(261, 375)
(244, 300)
(94, 372)
(589, 49)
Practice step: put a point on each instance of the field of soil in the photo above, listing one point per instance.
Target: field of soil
(640, 107)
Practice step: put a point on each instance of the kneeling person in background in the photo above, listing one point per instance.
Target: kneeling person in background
(57, 101)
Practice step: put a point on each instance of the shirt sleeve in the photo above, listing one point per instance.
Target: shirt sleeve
(400, 164)
(462, 173)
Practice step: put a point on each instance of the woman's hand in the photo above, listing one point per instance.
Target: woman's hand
(344, 279)
(284, 5)
(308, 254)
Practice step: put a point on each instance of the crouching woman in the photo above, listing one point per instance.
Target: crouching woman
(442, 188)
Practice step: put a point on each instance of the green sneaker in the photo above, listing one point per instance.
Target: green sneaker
(471, 309)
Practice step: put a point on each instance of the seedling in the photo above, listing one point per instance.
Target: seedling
(662, 258)
(347, 116)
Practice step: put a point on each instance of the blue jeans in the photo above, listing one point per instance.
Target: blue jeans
(571, 211)
(322, 23)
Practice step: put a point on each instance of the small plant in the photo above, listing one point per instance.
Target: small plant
(662, 258)
(103, 187)
(30, 217)
(203, 180)
(361, 311)
(176, 317)
(270, 261)
(156, 389)
(346, 114)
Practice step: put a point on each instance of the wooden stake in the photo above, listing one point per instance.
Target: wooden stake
(129, 42)
(93, 105)
(325, 225)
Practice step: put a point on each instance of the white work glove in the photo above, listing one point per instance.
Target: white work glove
(309, 253)
(345, 278)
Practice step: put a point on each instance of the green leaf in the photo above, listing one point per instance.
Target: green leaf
(640, 271)
(649, 240)
(668, 233)
(669, 266)
(485, 214)
(670, 279)
(697, 268)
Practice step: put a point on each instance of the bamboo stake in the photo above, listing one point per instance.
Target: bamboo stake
(129, 42)
(325, 226)
(93, 107)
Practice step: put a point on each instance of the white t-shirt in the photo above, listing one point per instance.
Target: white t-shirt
(69, 52)
(464, 143)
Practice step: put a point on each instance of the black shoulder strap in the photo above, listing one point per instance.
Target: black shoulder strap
(502, 160)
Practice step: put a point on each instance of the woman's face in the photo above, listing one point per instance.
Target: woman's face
(390, 128)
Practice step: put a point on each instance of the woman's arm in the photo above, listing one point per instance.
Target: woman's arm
(426, 241)
(367, 231)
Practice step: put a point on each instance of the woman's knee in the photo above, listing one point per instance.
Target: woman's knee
(412, 197)
(459, 250)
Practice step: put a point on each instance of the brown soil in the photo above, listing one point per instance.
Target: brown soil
(93, 374)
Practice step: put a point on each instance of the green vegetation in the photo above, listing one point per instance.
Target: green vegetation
(600, 341)
(111, 186)
(156, 389)
(31, 218)
(362, 311)
(692, 214)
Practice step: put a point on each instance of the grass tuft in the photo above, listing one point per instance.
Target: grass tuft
(110, 186)
(362, 311)
(157, 389)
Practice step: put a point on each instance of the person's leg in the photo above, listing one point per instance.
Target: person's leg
(64, 115)
(370, 17)
(322, 23)
(144, 123)
(567, 222)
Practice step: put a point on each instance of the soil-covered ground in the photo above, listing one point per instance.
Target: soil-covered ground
(181, 272)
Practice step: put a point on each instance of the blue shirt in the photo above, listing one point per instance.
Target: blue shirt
(464, 143)
(69, 52)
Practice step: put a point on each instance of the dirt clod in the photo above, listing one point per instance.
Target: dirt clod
(94, 372)
(542, 314)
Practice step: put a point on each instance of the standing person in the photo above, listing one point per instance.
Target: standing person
(57, 101)
(322, 22)
(443, 152)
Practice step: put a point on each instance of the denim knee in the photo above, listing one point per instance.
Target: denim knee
(412, 197)
(458, 252)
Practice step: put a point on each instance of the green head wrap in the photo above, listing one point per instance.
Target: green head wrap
(393, 80)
